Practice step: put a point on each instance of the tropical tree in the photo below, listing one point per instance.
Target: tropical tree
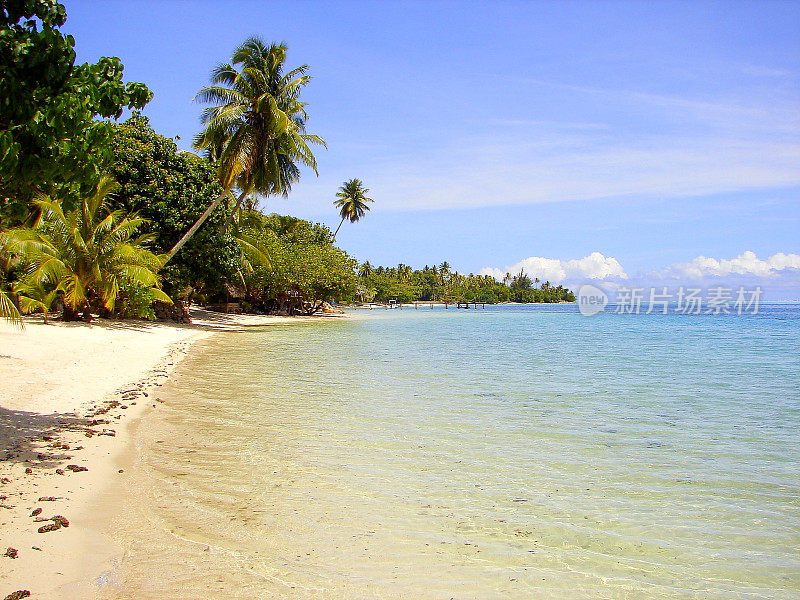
(429, 283)
(352, 202)
(285, 253)
(404, 272)
(365, 269)
(171, 189)
(51, 140)
(521, 281)
(86, 257)
(256, 130)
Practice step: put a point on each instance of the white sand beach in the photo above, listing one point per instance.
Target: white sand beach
(69, 396)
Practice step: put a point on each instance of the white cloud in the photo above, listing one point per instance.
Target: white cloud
(780, 270)
(594, 266)
(472, 171)
(603, 143)
(747, 264)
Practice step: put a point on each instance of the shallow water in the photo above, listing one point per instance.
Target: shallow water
(514, 452)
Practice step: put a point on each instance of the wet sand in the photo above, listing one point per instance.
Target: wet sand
(70, 395)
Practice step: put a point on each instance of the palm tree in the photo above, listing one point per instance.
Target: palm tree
(444, 271)
(352, 202)
(365, 270)
(8, 309)
(84, 255)
(404, 272)
(256, 130)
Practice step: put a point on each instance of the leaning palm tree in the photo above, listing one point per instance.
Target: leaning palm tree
(84, 256)
(255, 131)
(352, 202)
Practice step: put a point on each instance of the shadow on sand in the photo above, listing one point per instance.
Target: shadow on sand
(22, 432)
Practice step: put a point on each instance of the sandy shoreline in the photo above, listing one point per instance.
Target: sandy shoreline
(70, 395)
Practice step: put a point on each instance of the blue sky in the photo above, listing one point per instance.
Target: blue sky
(492, 133)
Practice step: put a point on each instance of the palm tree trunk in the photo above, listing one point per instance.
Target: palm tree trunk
(70, 314)
(337, 230)
(193, 229)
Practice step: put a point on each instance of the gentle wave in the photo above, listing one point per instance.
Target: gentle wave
(501, 453)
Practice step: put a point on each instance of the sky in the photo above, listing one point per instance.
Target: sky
(582, 141)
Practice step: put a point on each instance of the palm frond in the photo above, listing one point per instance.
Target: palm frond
(221, 95)
(160, 296)
(255, 128)
(253, 249)
(89, 252)
(9, 312)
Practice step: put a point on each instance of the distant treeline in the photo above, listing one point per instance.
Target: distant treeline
(404, 284)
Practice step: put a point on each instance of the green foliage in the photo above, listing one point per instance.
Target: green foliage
(50, 141)
(525, 290)
(8, 310)
(171, 189)
(137, 301)
(255, 135)
(85, 256)
(284, 254)
(255, 131)
(324, 273)
(441, 284)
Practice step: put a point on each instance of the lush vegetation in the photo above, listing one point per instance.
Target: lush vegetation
(109, 218)
(93, 212)
(172, 189)
(440, 283)
(291, 259)
(50, 138)
(255, 132)
(87, 258)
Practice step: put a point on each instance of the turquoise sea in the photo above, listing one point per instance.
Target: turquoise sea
(516, 452)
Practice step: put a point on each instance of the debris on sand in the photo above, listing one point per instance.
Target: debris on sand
(62, 521)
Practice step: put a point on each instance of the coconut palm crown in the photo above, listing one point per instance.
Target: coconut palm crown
(256, 130)
(352, 202)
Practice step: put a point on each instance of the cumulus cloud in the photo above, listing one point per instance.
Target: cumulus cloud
(746, 264)
(778, 275)
(594, 266)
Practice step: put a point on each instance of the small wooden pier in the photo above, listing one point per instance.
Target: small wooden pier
(386, 305)
(421, 304)
(447, 305)
(470, 304)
